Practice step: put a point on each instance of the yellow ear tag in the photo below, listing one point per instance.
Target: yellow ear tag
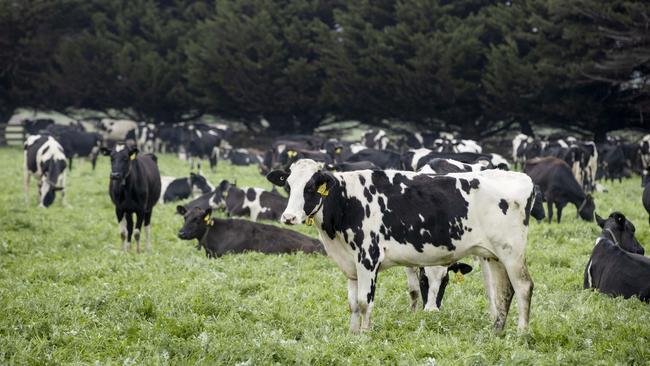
(459, 277)
(323, 190)
(337, 150)
(291, 153)
(309, 221)
(132, 156)
(207, 219)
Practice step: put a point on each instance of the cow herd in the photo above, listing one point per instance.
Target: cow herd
(423, 201)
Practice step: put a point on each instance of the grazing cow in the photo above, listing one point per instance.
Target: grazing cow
(613, 162)
(559, 187)
(203, 144)
(349, 167)
(175, 189)
(45, 160)
(134, 189)
(372, 220)
(219, 236)
(617, 267)
(385, 159)
(118, 130)
(255, 203)
(375, 139)
(147, 137)
(77, 143)
(36, 126)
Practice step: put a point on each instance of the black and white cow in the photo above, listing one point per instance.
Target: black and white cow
(36, 126)
(203, 144)
(372, 220)
(134, 189)
(45, 160)
(617, 266)
(446, 166)
(290, 156)
(77, 143)
(255, 203)
(385, 159)
(213, 199)
(219, 236)
(118, 130)
(175, 189)
(147, 135)
(415, 159)
(559, 186)
(351, 166)
(376, 139)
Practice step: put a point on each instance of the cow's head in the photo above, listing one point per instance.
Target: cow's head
(308, 185)
(121, 158)
(199, 183)
(197, 221)
(587, 208)
(52, 173)
(621, 231)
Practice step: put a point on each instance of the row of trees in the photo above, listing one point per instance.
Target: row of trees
(476, 65)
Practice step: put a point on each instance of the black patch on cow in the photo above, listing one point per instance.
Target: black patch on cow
(373, 190)
(503, 205)
(469, 185)
(371, 294)
(362, 180)
(250, 194)
(367, 210)
(529, 203)
(441, 290)
(367, 194)
(45, 149)
(424, 286)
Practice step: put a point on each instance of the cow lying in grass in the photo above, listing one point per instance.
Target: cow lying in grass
(175, 189)
(221, 236)
(617, 266)
(373, 220)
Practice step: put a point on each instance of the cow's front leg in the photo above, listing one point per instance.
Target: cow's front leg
(139, 216)
(366, 283)
(354, 306)
(414, 286)
(129, 229)
(121, 220)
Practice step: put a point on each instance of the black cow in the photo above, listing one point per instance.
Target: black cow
(349, 167)
(255, 203)
(36, 126)
(384, 159)
(45, 160)
(559, 186)
(175, 189)
(219, 236)
(376, 139)
(77, 143)
(613, 162)
(134, 189)
(617, 266)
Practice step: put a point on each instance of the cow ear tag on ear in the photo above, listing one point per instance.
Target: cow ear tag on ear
(207, 219)
(337, 150)
(291, 153)
(309, 221)
(133, 155)
(323, 190)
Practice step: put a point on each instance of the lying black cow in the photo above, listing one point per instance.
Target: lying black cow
(219, 236)
(384, 159)
(213, 199)
(45, 160)
(559, 186)
(134, 189)
(614, 267)
(175, 189)
(77, 143)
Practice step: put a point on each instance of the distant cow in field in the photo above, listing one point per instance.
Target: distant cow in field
(372, 220)
(147, 136)
(349, 166)
(203, 144)
(255, 203)
(617, 266)
(175, 189)
(376, 139)
(77, 143)
(559, 187)
(134, 189)
(45, 160)
(36, 126)
(384, 159)
(219, 236)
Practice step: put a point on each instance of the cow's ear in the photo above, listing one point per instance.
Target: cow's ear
(325, 181)
(105, 151)
(600, 221)
(460, 267)
(620, 219)
(181, 210)
(278, 177)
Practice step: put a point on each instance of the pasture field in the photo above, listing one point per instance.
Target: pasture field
(69, 295)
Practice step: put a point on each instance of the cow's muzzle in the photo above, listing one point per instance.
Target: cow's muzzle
(290, 219)
(182, 234)
(116, 176)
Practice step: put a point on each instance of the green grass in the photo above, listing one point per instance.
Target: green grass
(69, 295)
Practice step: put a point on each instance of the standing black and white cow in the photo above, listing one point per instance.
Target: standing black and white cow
(175, 189)
(45, 160)
(203, 144)
(372, 220)
(617, 266)
(134, 189)
(559, 186)
(77, 143)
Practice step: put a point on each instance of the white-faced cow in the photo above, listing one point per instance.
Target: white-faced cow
(559, 186)
(373, 220)
(175, 189)
(219, 236)
(617, 266)
(45, 160)
(134, 189)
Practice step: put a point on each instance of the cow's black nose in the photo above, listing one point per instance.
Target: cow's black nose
(116, 175)
(182, 234)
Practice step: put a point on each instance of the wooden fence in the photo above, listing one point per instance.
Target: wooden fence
(11, 134)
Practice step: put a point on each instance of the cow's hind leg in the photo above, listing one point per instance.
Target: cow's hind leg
(414, 286)
(147, 230)
(354, 306)
(366, 283)
(503, 292)
(549, 202)
(523, 286)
